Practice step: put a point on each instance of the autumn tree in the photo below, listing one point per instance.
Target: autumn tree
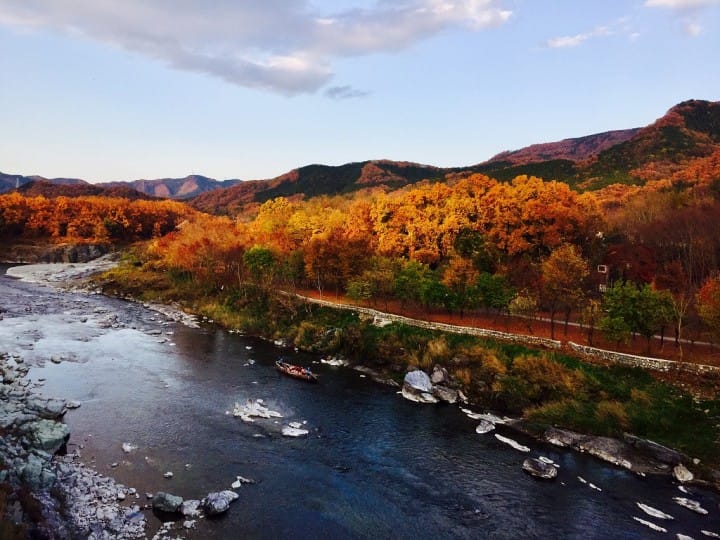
(563, 276)
(590, 314)
(681, 292)
(458, 276)
(374, 282)
(413, 282)
(261, 264)
(493, 292)
(708, 304)
(641, 309)
(472, 245)
(534, 217)
(524, 305)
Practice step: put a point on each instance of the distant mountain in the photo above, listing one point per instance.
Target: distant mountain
(35, 188)
(314, 180)
(175, 188)
(8, 182)
(687, 132)
(577, 149)
(167, 188)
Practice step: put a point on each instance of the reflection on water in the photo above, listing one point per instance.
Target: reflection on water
(373, 466)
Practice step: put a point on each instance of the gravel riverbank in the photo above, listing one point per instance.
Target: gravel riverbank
(51, 494)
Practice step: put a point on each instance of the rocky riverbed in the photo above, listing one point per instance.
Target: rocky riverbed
(51, 493)
(48, 492)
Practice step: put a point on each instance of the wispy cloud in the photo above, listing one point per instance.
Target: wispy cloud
(688, 11)
(693, 29)
(577, 39)
(284, 46)
(681, 4)
(345, 92)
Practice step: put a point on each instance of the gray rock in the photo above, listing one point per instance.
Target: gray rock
(443, 393)
(655, 450)
(106, 513)
(36, 475)
(418, 397)
(539, 469)
(218, 502)
(485, 426)
(7, 419)
(681, 473)
(564, 438)
(190, 508)
(439, 375)
(611, 450)
(50, 409)
(166, 502)
(419, 381)
(47, 435)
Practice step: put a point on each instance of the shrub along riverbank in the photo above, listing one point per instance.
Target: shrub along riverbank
(545, 388)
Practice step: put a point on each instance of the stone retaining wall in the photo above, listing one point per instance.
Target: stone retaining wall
(380, 318)
(655, 364)
(644, 362)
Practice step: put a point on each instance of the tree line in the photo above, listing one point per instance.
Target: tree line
(475, 244)
(627, 260)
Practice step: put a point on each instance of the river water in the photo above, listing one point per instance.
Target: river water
(373, 466)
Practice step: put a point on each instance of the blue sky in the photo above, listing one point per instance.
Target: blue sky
(110, 90)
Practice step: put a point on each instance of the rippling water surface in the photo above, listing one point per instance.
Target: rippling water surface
(373, 466)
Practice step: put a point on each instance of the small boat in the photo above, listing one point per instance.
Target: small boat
(298, 372)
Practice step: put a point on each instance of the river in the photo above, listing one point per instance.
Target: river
(373, 466)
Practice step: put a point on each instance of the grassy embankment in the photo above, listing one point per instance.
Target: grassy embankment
(546, 388)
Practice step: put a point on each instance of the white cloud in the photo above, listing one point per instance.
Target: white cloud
(681, 4)
(693, 29)
(280, 45)
(577, 39)
(688, 10)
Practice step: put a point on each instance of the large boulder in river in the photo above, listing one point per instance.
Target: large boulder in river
(418, 380)
(417, 387)
(166, 502)
(539, 469)
(218, 502)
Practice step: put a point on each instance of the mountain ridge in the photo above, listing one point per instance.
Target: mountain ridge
(687, 132)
